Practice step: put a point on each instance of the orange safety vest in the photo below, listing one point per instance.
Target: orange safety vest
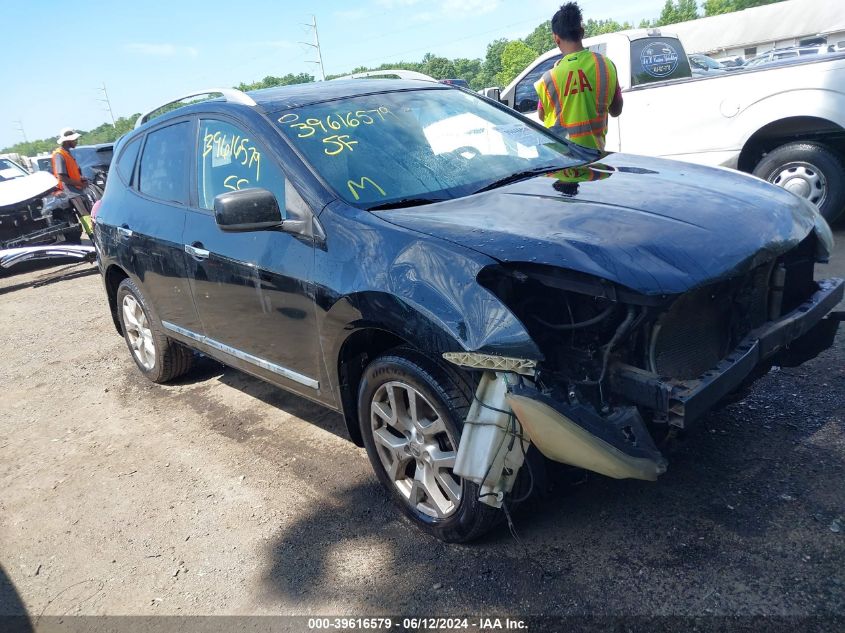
(73, 170)
(576, 95)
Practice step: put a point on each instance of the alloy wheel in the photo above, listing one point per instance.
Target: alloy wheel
(138, 332)
(416, 449)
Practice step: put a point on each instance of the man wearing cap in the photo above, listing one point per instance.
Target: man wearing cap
(65, 168)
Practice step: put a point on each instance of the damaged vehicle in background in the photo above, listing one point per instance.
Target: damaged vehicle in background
(32, 209)
(94, 162)
(476, 296)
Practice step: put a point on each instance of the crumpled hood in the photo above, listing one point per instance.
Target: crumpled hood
(655, 226)
(24, 188)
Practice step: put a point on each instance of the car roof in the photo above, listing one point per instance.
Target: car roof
(274, 100)
(284, 97)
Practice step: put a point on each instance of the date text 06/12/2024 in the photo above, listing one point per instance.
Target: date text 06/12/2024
(416, 624)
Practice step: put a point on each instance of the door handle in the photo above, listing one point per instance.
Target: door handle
(124, 231)
(196, 251)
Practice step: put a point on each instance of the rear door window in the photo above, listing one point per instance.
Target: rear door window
(229, 159)
(163, 172)
(658, 59)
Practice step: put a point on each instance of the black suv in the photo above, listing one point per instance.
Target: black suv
(476, 295)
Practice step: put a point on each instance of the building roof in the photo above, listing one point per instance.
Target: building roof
(761, 25)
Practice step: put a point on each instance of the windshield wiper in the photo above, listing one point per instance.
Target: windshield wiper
(404, 202)
(520, 175)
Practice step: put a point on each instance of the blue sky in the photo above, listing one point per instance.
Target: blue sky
(57, 54)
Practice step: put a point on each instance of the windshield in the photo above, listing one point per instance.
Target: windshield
(9, 169)
(93, 158)
(417, 146)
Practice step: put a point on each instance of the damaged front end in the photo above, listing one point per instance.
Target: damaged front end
(622, 370)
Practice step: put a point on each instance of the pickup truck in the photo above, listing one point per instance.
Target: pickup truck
(784, 124)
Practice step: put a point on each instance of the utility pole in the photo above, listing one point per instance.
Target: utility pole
(108, 104)
(19, 126)
(316, 46)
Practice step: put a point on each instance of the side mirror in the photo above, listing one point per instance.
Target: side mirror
(246, 210)
(493, 93)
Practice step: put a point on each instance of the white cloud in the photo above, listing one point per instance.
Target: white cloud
(351, 14)
(396, 4)
(277, 44)
(162, 50)
(469, 7)
(449, 9)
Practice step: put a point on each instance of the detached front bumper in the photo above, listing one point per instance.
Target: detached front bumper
(789, 341)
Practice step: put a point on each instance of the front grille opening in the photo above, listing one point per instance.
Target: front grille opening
(693, 335)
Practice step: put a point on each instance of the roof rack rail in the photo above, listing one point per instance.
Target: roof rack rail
(399, 73)
(231, 95)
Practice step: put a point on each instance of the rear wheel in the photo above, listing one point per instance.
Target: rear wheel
(158, 357)
(809, 170)
(411, 411)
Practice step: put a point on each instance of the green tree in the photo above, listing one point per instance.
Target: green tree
(717, 7)
(439, 68)
(600, 27)
(678, 11)
(105, 133)
(492, 64)
(469, 70)
(515, 57)
(271, 82)
(541, 39)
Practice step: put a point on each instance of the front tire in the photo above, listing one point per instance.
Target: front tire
(809, 170)
(159, 358)
(411, 411)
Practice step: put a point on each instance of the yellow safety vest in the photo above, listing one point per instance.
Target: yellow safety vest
(576, 95)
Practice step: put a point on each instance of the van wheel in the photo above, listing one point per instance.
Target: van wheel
(411, 411)
(159, 358)
(809, 170)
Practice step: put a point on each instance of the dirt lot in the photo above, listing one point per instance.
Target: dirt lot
(222, 495)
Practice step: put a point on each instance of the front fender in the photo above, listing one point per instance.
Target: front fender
(420, 288)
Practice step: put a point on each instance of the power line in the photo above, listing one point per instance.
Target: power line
(108, 104)
(19, 126)
(316, 46)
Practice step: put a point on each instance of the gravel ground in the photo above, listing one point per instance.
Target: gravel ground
(223, 495)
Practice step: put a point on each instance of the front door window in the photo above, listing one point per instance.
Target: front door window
(229, 159)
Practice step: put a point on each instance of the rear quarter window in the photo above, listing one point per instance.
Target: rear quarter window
(658, 59)
(126, 162)
(163, 172)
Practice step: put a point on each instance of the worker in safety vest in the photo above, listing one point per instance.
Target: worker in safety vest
(67, 172)
(65, 168)
(578, 93)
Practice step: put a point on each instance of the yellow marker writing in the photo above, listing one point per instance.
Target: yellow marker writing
(361, 184)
